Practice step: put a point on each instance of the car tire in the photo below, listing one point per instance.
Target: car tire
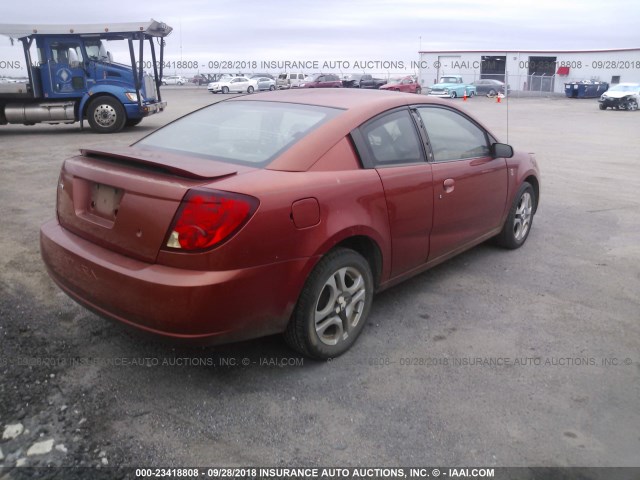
(602, 106)
(632, 105)
(225, 89)
(418, 91)
(333, 306)
(250, 89)
(492, 93)
(518, 224)
(453, 94)
(106, 115)
(472, 94)
(272, 88)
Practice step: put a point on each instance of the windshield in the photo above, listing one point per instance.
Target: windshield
(624, 88)
(96, 51)
(448, 80)
(245, 132)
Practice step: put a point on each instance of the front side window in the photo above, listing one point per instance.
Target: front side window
(453, 136)
(392, 139)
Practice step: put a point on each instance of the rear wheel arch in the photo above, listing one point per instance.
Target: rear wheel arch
(533, 181)
(369, 249)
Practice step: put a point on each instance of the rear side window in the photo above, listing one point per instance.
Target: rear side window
(244, 132)
(392, 139)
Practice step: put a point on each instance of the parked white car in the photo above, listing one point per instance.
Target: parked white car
(237, 84)
(173, 80)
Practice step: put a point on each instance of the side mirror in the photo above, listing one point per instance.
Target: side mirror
(501, 150)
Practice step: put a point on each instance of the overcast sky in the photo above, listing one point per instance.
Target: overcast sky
(241, 30)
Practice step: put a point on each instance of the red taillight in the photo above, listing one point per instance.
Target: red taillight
(207, 217)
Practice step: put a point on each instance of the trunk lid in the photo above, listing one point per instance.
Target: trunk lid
(125, 199)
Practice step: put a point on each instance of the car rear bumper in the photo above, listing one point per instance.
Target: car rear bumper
(210, 307)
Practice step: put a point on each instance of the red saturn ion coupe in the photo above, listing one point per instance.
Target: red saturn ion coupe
(282, 212)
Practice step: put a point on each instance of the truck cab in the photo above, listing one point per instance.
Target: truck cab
(74, 77)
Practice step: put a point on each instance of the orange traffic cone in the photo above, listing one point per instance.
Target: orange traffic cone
(464, 98)
(498, 98)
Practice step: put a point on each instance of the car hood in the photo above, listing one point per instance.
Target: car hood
(617, 94)
(440, 86)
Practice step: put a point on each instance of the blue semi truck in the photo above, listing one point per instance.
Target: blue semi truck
(74, 77)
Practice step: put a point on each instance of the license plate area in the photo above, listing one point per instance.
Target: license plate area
(105, 201)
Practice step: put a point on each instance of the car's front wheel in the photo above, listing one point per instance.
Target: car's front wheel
(518, 224)
(333, 306)
(272, 88)
(453, 94)
(250, 89)
(602, 106)
(472, 93)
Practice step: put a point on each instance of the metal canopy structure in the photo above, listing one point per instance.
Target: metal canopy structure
(148, 29)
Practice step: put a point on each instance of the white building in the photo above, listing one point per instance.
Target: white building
(530, 70)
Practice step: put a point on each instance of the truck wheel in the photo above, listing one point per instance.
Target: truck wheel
(106, 115)
(453, 94)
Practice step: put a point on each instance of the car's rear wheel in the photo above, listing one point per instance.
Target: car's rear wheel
(518, 224)
(492, 93)
(632, 104)
(225, 89)
(453, 94)
(418, 90)
(250, 89)
(333, 306)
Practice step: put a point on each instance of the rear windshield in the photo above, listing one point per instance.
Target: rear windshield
(243, 132)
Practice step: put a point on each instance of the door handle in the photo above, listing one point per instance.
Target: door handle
(449, 185)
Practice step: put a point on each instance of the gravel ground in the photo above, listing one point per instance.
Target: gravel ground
(495, 358)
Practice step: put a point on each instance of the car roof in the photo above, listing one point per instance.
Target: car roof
(359, 106)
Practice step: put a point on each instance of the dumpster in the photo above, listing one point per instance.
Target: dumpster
(585, 89)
